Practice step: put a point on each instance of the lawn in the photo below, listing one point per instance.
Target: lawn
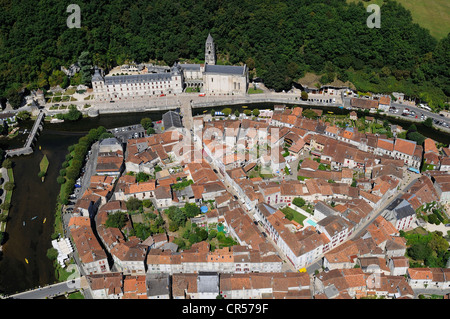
(255, 91)
(299, 218)
(433, 15)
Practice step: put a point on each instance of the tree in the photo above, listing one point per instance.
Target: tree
(191, 209)
(52, 253)
(7, 163)
(428, 122)
(255, 112)
(146, 123)
(85, 63)
(73, 114)
(419, 251)
(299, 202)
(116, 220)
(9, 186)
(60, 180)
(23, 115)
(176, 215)
(304, 96)
(227, 111)
(133, 204)
(417, 137)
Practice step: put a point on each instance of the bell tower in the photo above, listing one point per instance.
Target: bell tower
(210, 52)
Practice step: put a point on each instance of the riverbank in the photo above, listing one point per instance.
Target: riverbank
(7, 176)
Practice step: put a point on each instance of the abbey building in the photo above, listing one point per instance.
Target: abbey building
(208, 78)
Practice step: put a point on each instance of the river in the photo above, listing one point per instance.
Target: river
(32, 197)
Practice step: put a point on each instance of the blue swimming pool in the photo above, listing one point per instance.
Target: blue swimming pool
(309, 221)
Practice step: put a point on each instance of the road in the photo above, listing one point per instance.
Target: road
(51, 290)
(418, 112)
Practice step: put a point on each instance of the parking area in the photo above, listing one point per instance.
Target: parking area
(128, 132)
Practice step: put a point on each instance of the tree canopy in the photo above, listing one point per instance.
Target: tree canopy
(279, 40)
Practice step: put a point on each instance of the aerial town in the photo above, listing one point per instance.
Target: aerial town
(276, 205)
(289, 202)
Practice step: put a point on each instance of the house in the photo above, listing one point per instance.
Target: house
(384, 103)
(163, 196)
(106, 286)
(390, 287)
(421, 192)
(431, 154)
(110, 144)
(129, 257)
(398, 265)
(110, 163)
(287, 285)
(374, 264)
(445, 164)
(336, 229)
(433, 278)
(184, 286)
(134, 287)
(441, 183)
(172, 120)
(408, 151)
(341, 283)
(301, 247)
(93, 258)
(401, 214)
(208, 285)
(158, 286)
(364, 104)
(87, 205)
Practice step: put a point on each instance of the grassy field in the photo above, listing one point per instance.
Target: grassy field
(433, 15)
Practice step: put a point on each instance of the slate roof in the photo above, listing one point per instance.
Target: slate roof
(171, 119)
(225, 69)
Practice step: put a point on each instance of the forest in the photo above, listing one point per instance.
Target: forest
(279, 40)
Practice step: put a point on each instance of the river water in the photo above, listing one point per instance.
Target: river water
(32, 197)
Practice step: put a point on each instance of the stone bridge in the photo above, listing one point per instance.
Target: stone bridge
(28, 146)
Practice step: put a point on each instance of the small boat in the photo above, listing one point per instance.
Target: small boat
(26, 260)
(34, 218)
(44, 220)
(23, 223)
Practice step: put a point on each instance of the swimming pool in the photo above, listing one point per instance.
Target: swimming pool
(309, 221)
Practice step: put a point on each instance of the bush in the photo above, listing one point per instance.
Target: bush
(116, 220)
(7, 163)
(299, 202)
(9, 186)
(52, 253)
